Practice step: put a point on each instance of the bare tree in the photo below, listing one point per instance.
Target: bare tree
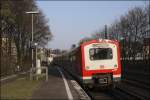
(16, 27)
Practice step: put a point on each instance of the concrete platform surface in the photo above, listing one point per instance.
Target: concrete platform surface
(58, 87)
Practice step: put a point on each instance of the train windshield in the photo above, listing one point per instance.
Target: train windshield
(100, 53)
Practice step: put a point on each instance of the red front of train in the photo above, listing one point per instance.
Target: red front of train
(100, 62)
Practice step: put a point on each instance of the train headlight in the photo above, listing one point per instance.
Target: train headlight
(87, 67)
(115, 65)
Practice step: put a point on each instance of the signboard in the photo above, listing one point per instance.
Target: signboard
(101, 45)
(33, 44)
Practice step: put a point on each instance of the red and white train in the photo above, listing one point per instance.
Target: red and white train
(96, 62)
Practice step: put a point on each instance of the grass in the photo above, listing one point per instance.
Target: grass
(19, 89)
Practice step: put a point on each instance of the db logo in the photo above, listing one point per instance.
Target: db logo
(101, 66)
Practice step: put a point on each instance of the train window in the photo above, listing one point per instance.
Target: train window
(100, 53)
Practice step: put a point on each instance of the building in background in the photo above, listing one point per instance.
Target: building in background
(47, 55)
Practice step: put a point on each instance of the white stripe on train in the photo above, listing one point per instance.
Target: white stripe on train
(117, 75)
(90, 77)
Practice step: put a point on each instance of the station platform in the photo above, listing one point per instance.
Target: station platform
(58, 87)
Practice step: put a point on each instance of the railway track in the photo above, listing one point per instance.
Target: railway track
(122, 92)
(139, 92)
(127, 90)
(136, 83)
(119, 93)
(125, 94)
(98, 94)
(137, 76)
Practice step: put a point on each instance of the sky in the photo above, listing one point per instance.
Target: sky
(70, 21)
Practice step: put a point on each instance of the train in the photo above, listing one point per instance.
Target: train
(93, 63)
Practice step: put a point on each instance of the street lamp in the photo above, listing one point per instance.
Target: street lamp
(32, 13)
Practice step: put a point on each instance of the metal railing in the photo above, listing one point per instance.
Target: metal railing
(33, 73)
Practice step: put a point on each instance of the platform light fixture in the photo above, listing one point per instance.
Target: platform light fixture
(32, 13)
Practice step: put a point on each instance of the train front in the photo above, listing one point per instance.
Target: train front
(101, 63)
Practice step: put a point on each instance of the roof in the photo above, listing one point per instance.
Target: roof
(99, 40)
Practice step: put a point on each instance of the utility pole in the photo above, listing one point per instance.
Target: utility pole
(105, 31)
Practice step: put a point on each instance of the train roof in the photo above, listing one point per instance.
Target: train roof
(89, 42)
(94, 41)
(99, 40)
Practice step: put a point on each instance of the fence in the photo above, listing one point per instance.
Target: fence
(33, 73)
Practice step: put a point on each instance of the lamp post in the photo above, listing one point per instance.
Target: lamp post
(32, 13)
(105, 31)
(35, 44)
